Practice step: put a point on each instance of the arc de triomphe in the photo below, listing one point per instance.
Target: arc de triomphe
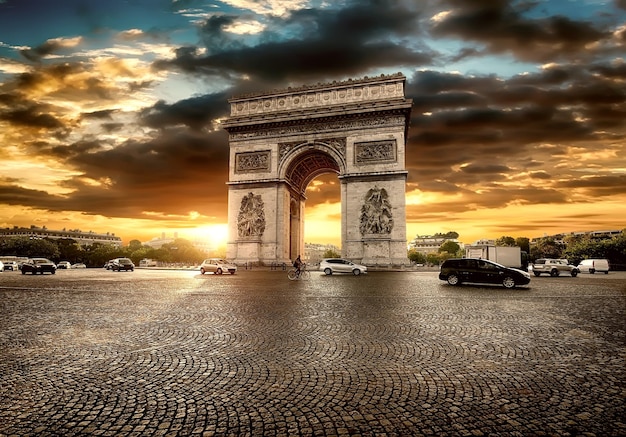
(281, 140)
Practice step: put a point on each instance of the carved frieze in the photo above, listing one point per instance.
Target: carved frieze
(249, 162)
(303, 129)
(376, 216)
(251, 218)
(375, 152)
(348, 92)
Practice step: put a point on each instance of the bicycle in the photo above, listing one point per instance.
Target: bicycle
(293, 274)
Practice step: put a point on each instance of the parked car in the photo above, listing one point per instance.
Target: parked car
(217, 266)
(481, 271)
(587, 266)
(552, 267)
(78, 266)
(38, 265)
(1, 266)
(11, 265)
(119, 264)
(340, 265)
(64, 265)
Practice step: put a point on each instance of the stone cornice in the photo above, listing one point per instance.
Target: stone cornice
(353, 95)
(319, 127)
(383, 78)
(333, 112)
(320, 123)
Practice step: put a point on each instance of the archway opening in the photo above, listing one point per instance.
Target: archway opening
(322, 216)
(311, 176)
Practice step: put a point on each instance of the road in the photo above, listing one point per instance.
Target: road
(156, 352)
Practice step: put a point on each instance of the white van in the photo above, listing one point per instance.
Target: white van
(147, 262)
(594, 265)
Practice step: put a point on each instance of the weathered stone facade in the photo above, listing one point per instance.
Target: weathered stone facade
(281, 140)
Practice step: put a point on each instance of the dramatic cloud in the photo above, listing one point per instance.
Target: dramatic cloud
(321, 43)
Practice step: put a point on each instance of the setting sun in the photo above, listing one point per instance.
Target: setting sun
(213, 235)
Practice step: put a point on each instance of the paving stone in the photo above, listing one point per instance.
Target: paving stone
(253, 354)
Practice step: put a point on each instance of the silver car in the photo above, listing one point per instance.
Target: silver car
(553, 267)
(217, 266)
(340, 265)
(11, 265)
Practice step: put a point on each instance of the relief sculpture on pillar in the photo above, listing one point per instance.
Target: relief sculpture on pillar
(251, 218)
(376, 215)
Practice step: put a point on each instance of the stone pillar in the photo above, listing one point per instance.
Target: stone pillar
(374, 219)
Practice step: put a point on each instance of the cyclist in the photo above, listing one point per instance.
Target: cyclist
(297, 264)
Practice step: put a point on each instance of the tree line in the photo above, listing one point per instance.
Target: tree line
(180, 251)
(574, 248)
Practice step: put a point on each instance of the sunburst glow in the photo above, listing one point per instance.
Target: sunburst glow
(214, 235)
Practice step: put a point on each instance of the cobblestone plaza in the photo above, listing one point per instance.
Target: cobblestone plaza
(145, 353)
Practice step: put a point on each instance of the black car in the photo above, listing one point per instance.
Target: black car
(38, 265)
(119, 264)
(481, 271)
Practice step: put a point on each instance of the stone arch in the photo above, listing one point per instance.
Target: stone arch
(281, 140)
(308, 161)
(298, 168)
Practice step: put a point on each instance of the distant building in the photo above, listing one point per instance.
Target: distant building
(82, 238)
(430, 243)
(314, 253)
(484, 242)
(158, 242)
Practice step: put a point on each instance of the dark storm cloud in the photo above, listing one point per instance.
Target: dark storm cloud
(360, 21)
(11, 98)
(494, 197)
(11, 194)
(315, 59)
(326, 43)
(174, 173)
(214, 37)
(195, 112)
(501, 27)
(34, 78)
(18, 111)
(540, 175)
(73, 81)
(112, 127)
(37, 53)
(605, 185)
(325, 192)
(177, 172)
(458, 119)
(33, 116)
(485, 169)
(438, 186)
(104, 114)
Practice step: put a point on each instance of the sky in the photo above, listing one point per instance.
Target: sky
(110, 112)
